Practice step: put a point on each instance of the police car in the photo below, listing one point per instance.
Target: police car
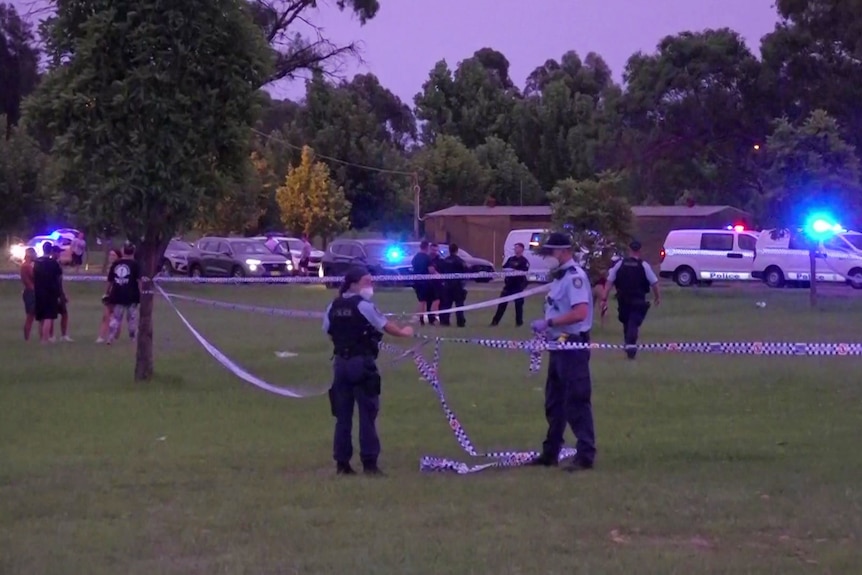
(691, 257)
(784, 259)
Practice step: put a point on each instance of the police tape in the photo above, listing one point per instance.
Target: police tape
(304, 314)
(384, 278)
(429, 373)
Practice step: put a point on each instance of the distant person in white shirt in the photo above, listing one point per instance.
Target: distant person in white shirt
(79, 248)
(305, 255)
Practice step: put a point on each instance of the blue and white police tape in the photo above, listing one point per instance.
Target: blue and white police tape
(429, 373)
(313, 314)
(385, 278)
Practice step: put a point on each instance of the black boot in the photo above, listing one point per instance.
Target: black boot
(544, 460)
(344, 469)
(372, 469)
(578, 465)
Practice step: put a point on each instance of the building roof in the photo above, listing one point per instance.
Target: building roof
(493, 211)
(545, 211)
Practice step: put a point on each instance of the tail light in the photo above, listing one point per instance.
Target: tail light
(662, 254)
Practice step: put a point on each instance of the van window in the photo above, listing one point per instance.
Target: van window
(717, 242)
(535, 239)
(747, 243)
(797, 242)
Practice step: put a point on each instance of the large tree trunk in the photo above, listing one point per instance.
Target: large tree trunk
(150, 254)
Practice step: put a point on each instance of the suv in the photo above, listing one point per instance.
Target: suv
(292, 247)
(381, 257)
(236, 257)
(474, 264)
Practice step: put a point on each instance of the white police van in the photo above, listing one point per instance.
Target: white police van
(784, 259)
(692, 257)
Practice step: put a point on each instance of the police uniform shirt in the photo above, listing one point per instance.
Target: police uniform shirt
(368, 310)
(571, 288)
(650, 274)
(517, 263)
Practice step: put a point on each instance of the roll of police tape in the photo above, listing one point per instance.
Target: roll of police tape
(401, 278)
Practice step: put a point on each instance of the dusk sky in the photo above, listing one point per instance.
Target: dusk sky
(408, 37)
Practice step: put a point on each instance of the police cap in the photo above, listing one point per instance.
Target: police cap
(557, 241)
(353, 275)
(635, 246)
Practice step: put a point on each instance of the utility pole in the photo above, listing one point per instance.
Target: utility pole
(417, 213)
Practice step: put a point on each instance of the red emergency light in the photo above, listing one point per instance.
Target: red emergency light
(737, 228)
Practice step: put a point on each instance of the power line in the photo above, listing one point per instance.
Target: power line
(335, 160)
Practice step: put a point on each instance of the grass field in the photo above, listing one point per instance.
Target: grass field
(707, 464)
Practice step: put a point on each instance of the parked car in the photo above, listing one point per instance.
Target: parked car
(62, 238)
(175, 260)
(235, 257)
(474, 264)
(292, 247)
(381, 257)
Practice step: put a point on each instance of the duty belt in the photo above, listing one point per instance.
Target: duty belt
(351, 353)
(582, 337)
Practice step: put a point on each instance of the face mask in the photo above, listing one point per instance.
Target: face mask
(367, 293)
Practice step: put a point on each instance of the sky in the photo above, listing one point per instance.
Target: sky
(407, 37)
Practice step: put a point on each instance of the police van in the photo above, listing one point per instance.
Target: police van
(784, 259)
(692, 257)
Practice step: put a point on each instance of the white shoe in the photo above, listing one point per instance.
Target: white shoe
(100, 340)
(52, 340)
(66, 338)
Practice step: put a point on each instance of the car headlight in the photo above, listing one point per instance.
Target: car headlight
(289, 265)
(18, 251)
(252, 262)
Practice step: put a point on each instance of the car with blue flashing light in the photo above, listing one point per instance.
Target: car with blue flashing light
(61, 238)
(474, 264)
(235, 257)
(381, 257)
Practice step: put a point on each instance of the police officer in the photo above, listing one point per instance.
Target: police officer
(356, 328)
(513, 285)
(568, 389)
(633, 278)
(454, 292)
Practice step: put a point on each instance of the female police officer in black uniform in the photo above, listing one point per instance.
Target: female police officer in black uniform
(356, 328)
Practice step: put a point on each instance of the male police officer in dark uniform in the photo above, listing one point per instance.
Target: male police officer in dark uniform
(568, 389)
(633, 278)
(356, 328)
(454, 291)
(513, 285)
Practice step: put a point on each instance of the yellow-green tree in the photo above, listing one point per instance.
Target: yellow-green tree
(310, 202)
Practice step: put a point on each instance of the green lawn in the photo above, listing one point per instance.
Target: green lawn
(707, 464)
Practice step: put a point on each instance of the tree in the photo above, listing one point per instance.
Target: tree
(22, 190)
(693, 114)
(310, 202)
(808, 167)
(300, 45)
(509, 180)
(598, 216)
(243, 205)
(450, 175)
(813, 60)
(151, 116)
(19, 60)
(473, 103)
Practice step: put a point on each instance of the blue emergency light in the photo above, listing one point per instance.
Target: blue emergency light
(821, 226)
(394, 255)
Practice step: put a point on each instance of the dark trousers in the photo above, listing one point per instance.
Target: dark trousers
(568, 400)
(452, 297)
(356, 382)
(519, 306)
(632, 315)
